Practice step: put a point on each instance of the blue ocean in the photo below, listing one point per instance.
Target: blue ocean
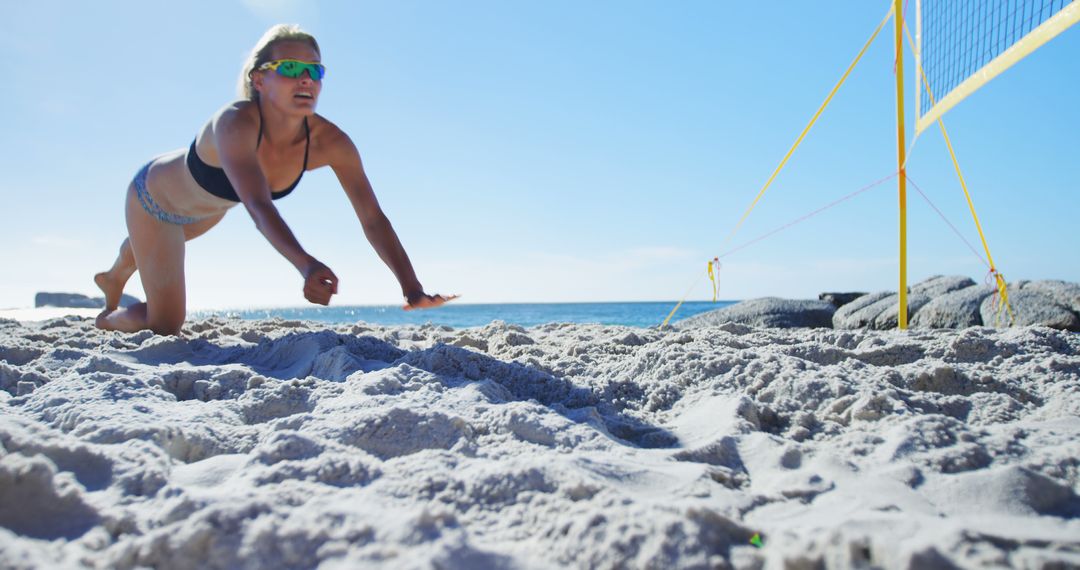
(640, 314)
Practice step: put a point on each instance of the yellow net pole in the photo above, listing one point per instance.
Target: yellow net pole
(898, 18)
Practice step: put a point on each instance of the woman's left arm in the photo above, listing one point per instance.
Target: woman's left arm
(345, 160)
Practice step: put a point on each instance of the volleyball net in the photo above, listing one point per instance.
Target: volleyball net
(960, 45)
(963, 44)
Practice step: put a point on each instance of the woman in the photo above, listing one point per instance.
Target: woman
(253, 151)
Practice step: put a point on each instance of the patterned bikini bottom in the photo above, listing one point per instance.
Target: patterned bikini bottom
(152, 207)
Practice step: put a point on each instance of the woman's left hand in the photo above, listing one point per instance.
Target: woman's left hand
(425, 301)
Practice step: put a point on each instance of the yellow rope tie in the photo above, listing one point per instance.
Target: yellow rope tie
(998, 277)
(1002, 296)
(714, 275)
(813, 120)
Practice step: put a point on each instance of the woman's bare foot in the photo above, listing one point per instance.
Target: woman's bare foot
(128, 319)
(112, 288)
(102, 321)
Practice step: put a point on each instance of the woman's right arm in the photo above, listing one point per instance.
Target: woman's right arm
(233, 132)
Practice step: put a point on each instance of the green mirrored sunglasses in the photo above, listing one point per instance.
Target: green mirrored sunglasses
(295, 68)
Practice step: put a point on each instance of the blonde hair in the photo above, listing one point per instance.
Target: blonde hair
(262, 51)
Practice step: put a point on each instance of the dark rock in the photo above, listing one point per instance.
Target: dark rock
(766, 312)
(75, 300)
(839, 299)
(954, 310)
(1064, 293)
(883, 314)
(881, 310)
(67, 300)
(860, 312)
(889, 317)
(938, 302)
(939, 285)
(1030, 306)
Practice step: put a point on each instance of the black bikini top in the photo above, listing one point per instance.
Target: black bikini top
(214, 180)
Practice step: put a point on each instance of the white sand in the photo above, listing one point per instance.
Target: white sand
(46, 313)
(275, 444)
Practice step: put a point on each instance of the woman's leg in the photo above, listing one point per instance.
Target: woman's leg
(112, 282)
(157, 248)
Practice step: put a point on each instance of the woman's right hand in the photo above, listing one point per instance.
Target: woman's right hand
(319, 283)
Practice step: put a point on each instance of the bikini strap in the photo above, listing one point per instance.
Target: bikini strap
(307, 145)
(259, 139)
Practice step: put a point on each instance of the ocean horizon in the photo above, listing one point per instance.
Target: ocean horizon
(636, 314)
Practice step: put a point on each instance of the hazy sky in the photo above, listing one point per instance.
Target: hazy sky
(537, 151)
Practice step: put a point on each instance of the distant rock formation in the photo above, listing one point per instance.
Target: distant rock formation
(839, 299)
(860, 312)
(767, 312)
(938, 302)
(1035, 303)
(957, 302)
(889, 317)
(75, 300)
(941, 284)
(955, 310)
(1062, 292)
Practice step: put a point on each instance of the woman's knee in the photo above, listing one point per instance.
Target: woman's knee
(169, 324)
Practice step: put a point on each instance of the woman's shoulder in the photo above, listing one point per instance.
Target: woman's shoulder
(330, 138)
(326, 130)
(243, 110)
(236, 120)
(237, 116)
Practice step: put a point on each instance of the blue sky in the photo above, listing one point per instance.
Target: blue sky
(538, 151)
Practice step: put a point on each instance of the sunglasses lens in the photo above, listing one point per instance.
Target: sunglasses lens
(294, 69)
(289, 69)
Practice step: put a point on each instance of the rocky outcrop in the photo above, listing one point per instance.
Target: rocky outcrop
(839, 299)
(938, 302)
(1031, 304)
(767, 312)
(66, 300)
(75, 300)
(882, 314)
(955, 310)
(889, 317)
(881, 311)
(957, 302)
(939, 285)
(1062, 292)
(860, 312)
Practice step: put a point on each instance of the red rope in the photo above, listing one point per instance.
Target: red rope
(852, 195)
(810, 215)
(946, 220)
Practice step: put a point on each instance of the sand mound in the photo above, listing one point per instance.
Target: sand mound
(281, 444)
